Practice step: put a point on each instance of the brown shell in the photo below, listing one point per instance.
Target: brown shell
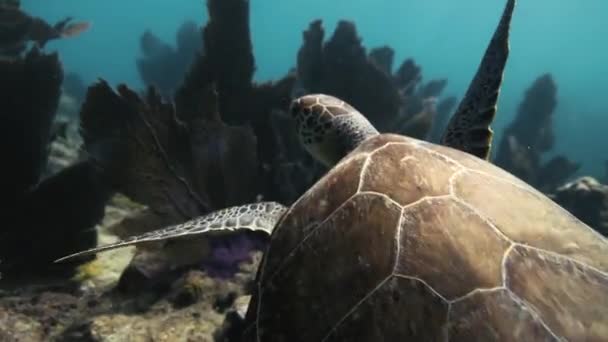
(409, 241)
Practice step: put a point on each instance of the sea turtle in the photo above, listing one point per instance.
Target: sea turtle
(408, 240)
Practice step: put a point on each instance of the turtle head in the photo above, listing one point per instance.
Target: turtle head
(328, 127)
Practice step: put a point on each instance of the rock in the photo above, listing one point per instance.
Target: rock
(234, 323)
(587, 199)
(193, 309)
(19, 327)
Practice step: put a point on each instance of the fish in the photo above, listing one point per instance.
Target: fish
(17, 28)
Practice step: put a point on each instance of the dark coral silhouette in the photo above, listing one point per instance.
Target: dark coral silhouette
(165, 66)
(46, 216)
(180, 166)
(530, 135)
(341, 67)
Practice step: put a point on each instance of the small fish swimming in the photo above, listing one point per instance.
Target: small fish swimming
(17, 28)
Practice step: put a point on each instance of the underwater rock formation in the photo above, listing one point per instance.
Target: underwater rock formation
(530, 135)
(587, 199)
(40, 222)
(164, 66)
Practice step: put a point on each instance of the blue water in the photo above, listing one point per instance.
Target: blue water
(447, 37)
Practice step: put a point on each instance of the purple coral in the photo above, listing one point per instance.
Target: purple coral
(229, 251)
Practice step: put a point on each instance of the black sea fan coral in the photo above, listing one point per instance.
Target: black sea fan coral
(45, 217)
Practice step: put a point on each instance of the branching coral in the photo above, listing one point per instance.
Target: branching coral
(530, 135)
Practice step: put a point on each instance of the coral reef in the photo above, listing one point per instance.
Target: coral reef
(164, 66)
(530, 135)
(184, 160)
(202, 136)
(40, 213)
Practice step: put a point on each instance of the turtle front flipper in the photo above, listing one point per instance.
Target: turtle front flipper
(260, 217)
(469, 129)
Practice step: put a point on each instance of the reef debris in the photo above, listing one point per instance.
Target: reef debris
(587, 199)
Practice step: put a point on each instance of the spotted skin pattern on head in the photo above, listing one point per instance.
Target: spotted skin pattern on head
(328, 127)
